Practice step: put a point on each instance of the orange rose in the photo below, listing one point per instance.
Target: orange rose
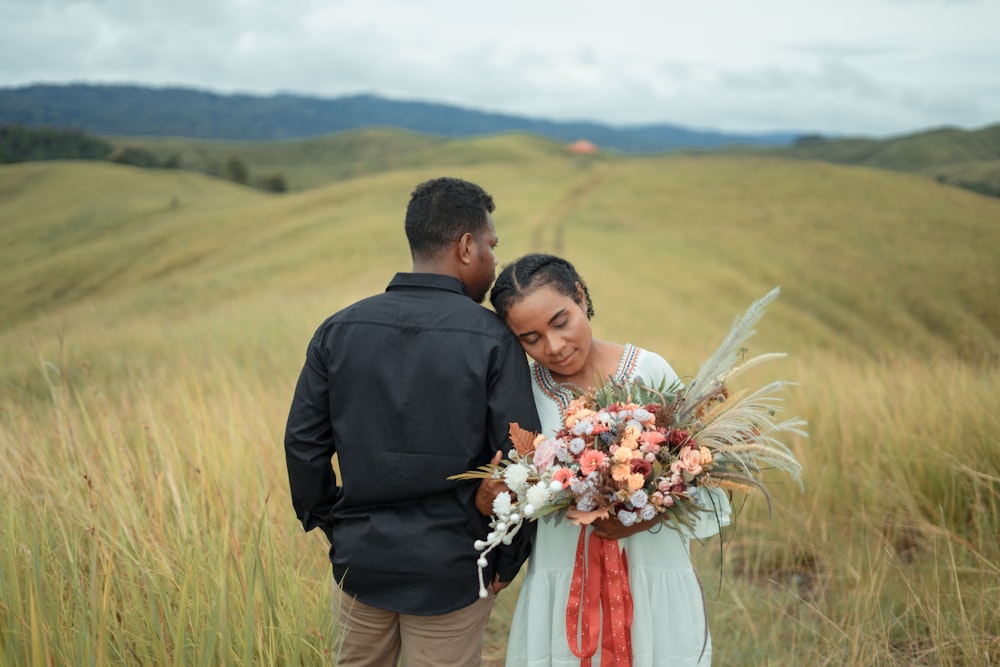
(636, 481)
(591, 461)
(621, 472)
(706, 456)
(630, 437)
(623, 454)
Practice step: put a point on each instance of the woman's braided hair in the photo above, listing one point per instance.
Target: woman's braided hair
(530, 272)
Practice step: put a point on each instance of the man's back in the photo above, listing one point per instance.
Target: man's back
(419, 383)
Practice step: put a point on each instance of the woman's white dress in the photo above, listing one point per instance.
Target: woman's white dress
(669, 625)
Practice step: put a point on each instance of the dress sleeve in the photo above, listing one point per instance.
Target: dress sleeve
(716, 515)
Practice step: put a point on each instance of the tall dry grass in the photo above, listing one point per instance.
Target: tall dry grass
(148, 352)
(148, 522)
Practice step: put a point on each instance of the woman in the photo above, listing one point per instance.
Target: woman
(546, 304)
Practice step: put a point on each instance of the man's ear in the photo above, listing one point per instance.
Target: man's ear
(464, 248)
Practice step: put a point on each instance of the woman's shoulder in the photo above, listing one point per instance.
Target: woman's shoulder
(652, 366)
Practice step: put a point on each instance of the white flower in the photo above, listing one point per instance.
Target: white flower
(516, 477)
(627, 518)
(647, 512)
(639, 499)
(642, 414)
(576, 445)
(634, 423)
(538, 494)
(501, 504)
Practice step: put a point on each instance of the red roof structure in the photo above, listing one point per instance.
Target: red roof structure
(582, 147)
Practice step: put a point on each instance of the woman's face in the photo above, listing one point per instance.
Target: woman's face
(553, 329)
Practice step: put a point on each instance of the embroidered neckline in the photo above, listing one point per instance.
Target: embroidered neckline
(562, 394)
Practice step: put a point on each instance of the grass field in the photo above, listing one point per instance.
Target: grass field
(153, 324)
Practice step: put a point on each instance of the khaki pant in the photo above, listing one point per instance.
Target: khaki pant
(372, 637)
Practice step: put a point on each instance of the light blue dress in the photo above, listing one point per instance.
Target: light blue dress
(669, 624)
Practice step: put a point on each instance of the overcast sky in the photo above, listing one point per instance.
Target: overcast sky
(873, 67)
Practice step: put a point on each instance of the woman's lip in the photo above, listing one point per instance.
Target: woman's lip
(564, 360)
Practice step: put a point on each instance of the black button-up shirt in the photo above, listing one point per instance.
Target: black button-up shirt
(407, 387)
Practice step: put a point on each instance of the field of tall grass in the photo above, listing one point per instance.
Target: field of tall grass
(154, 325)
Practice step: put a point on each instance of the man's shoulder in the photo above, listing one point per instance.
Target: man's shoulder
(469, 315)
(452, 311)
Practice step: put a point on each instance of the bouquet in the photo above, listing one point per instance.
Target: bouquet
(637, 453)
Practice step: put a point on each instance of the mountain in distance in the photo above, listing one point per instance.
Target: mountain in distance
(129, 110)
(181, 122)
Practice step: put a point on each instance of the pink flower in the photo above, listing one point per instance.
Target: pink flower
(564, 476)
(652, 437)
(691, 458)
(545, 454)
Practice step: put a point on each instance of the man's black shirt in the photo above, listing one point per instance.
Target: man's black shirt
(407, 387)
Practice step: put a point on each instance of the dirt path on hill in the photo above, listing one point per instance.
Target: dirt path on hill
(549, 226)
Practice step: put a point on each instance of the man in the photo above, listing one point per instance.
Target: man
(408, 387)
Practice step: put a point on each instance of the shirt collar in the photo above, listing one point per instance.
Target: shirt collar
(426, 281)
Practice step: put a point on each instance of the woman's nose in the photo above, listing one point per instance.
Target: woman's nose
(553, 344)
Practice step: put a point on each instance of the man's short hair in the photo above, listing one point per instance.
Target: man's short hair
(441, 211)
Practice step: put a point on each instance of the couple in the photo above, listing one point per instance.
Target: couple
(419, 383)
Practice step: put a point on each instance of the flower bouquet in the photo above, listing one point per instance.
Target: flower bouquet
(636, 453)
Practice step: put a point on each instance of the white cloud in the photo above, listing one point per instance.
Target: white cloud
(856, 66)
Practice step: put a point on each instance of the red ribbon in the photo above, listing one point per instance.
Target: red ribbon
(606, 565)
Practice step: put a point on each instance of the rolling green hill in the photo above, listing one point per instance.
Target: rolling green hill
(872, 262)
(968, 159)
(309, 163)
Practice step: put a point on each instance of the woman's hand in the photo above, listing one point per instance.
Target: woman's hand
(612, 529)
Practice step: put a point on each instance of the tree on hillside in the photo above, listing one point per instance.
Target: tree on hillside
(237, 170)
(24, 144)
(272, 183)
(137, 157)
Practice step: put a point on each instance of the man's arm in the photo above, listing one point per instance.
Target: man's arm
(510, 400)
(309, 444)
